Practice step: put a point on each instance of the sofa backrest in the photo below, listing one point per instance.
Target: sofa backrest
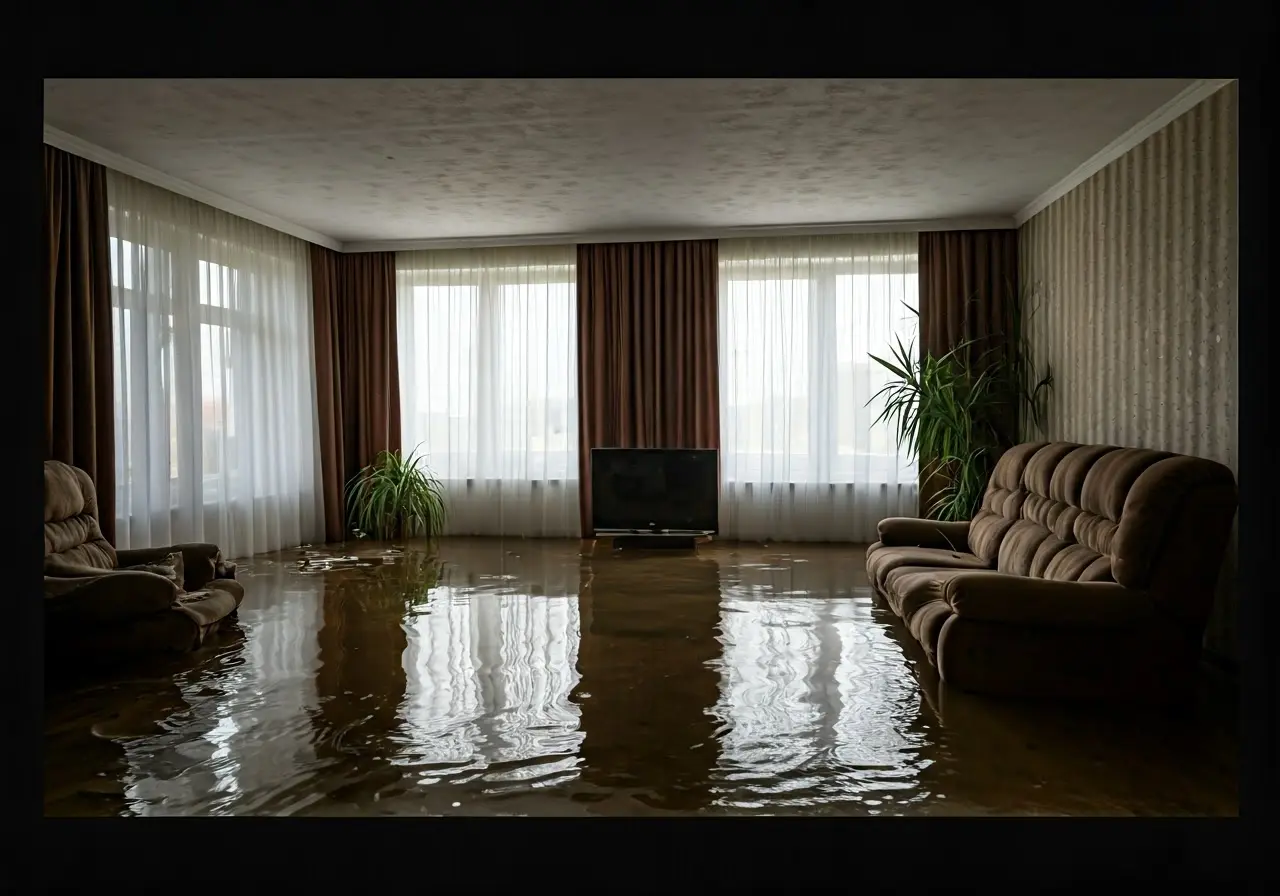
(1149, 520)
(71, 532)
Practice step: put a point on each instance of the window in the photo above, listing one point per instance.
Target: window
(150, 338)
(799, 319)
(488, 357)
(215, 411)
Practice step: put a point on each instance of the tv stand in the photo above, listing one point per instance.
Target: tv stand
(661, 540)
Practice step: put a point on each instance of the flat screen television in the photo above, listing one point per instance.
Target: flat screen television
(673, 490)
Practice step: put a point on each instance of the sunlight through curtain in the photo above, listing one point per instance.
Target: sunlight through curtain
(801, 456)
(216, 437)
(488, 384)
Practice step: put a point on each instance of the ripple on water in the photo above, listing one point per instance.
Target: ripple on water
(381, 679)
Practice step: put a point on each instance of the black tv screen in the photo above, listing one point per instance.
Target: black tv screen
(647, 489)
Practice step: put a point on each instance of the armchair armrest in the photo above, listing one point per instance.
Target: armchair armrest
(79, 599)
(999, 597)
(901, 531)
(199, 561)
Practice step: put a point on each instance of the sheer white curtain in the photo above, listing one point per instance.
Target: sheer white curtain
(488, 384)
(216, 437)
(800, 457)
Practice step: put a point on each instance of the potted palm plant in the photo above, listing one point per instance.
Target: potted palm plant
(395, 497)
(957, 413)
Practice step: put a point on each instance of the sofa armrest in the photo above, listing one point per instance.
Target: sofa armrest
(901, 531)
(107, 597)
(199, 561)
(57, 568)
(999, 597)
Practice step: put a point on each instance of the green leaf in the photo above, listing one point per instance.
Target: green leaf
(396, 497)
(958, 412)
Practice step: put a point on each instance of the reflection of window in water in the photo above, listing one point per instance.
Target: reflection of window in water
(815, 691)
(251, 736)
(489, 677)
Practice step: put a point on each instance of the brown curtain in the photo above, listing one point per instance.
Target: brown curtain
(79, 406)
(648, 376)
(968, 287)
(357, 369)
(968, 290)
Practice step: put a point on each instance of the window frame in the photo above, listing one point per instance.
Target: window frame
(184, 357)
(488, 283)
(827, 466)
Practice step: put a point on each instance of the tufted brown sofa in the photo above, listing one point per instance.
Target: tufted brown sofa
(1088, 572)
(94, 607)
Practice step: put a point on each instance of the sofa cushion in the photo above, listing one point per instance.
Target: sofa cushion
(1002, 502)
(207, 608)
(883, 560)
(908, 588)
(112, 597)
(229, 587)
(1022, 600)
(170, 567)
(918, 595)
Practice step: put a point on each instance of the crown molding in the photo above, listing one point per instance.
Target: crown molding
(1000, 222)
(1184, 102)
(117, 162)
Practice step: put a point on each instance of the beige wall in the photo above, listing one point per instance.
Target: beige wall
(1135, 271)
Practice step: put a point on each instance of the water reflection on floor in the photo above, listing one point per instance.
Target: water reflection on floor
(524, 677)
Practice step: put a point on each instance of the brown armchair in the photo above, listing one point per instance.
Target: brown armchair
(99, 600)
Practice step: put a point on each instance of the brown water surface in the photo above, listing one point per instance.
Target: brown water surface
(541, 678)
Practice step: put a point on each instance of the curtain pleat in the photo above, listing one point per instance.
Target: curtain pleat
(357, 369)
(647, 357)
(968, 291)
(968, 287)
(79, 391)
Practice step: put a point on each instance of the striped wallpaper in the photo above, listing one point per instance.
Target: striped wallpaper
(1135, 273)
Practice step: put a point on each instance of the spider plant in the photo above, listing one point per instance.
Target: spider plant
(957, 413)
(395, 497)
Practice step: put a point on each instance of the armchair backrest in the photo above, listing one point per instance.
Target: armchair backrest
(72, 535)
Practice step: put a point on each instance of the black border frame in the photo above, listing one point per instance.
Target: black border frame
(1116, 39)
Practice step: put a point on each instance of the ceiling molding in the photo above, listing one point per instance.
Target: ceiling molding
(1180, 104)
(95, 153)
(1003, 222)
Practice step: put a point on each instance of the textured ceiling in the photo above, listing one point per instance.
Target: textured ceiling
(422, 159)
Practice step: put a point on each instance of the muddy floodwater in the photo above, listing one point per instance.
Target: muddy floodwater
(540, 677)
